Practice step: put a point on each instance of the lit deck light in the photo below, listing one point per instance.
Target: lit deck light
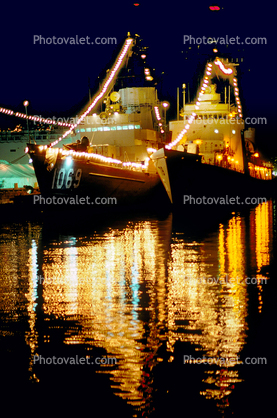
(68, 160)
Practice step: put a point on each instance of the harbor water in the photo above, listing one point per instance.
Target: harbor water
(155, 315)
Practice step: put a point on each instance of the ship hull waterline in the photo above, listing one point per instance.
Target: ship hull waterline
(83, 183)
(193, 185)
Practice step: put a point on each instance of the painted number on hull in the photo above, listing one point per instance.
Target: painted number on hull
(66, 178)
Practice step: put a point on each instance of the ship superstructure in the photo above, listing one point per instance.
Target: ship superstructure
(210, 153)
(109, 155)
(127, 127)
(215, 132)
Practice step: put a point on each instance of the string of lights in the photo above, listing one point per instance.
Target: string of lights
(91, 156)
(158, 117)
(34, 118)
(108, 80)
(107, 83)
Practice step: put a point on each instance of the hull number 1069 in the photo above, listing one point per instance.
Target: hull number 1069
(65, 179)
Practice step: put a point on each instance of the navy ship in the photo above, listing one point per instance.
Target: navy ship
(112, 139)
(212, 158)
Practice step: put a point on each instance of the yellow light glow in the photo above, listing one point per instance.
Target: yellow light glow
(100, 283)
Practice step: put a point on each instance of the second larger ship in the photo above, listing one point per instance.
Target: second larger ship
(212, 158)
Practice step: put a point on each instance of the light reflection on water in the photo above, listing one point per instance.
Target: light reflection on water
(132, 288)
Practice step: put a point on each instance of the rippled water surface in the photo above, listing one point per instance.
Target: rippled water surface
(137, 294)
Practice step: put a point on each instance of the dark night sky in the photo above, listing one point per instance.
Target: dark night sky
(54, 78)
